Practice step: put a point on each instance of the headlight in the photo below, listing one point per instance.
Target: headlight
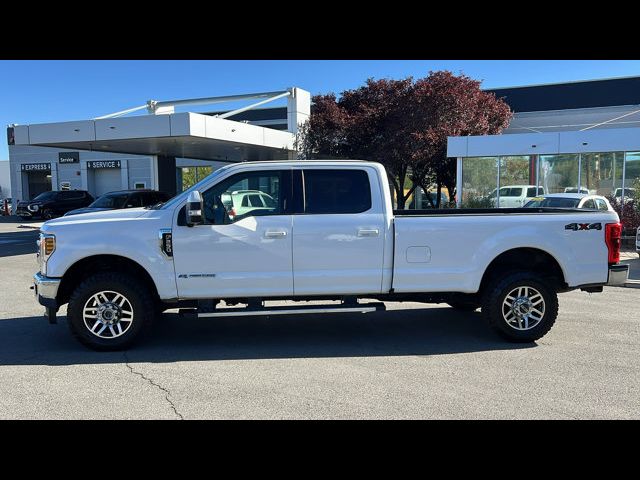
(33, 208)
(47, 244)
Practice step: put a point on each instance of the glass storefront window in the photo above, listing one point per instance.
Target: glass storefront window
(601, 173)
(517, 174)
(559, 173)
(632, 178)
(479, 178)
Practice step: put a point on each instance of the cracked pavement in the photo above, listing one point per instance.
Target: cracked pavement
(167, 393)
(416, 361)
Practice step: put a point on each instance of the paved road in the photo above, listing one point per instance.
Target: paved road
(416, 361)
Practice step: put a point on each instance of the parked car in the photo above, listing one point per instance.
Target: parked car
(240, 202)
(629, 194)
(421, 202)
(584, 190)
(123, 199)
(332, 235)
(570, 200)
(54, 203)
(515, 196)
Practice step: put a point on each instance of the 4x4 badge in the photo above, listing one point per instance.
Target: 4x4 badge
(583, 226)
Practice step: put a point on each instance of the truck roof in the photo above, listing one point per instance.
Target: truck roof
(304, 162)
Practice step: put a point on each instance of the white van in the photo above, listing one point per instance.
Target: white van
(515, 196)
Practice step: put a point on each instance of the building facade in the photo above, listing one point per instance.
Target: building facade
(579, 136)
(162, 150)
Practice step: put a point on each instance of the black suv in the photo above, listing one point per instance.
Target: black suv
(52, 204)
(123, 199)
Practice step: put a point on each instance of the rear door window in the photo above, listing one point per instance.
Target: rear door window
(336, 191)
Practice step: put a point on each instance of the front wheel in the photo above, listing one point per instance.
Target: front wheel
(109, 311)
(47, 215)
(520, 306)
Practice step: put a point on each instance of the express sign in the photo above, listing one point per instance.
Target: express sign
(35, 167)
(104, 164)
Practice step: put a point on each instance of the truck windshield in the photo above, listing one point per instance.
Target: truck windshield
(183, 196)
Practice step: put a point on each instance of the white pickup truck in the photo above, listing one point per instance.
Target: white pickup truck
(330, 234)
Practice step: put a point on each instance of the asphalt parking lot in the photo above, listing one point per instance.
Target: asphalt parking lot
(415, 361)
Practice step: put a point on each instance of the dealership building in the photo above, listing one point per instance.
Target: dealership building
(563, 137)
(162, 150)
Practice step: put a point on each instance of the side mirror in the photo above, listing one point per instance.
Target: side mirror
(194, 209)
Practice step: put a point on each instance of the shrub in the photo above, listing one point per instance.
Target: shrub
(477, 201)
(628, 213)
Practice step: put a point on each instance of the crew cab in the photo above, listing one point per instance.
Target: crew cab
(330, 234)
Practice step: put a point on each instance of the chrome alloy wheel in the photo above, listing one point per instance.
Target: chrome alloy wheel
(108, 314)
(523, 308)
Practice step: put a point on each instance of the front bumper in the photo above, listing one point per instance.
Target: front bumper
(46, 291)
(618, 274)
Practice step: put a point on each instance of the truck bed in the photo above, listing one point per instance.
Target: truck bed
(488, 211)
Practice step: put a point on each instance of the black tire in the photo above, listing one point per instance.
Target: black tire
(143, 307)
(47, 214)
(497, 290)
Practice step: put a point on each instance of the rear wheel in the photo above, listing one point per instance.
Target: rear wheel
(110, 311)
(520, 306)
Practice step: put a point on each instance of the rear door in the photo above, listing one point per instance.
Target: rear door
(338, 231)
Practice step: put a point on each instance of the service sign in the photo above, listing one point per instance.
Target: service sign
(103, 164)
(35, 167)
(68, 157)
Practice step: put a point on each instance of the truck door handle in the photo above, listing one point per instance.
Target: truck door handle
(368, 232)
(275, 234)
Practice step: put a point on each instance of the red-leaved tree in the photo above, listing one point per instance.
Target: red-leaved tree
(403, 125)
(447, 105)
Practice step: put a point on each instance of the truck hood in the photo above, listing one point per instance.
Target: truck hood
(78, 211)
(106, 216)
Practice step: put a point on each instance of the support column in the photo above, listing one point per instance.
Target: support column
(124, 174)
(298, 108)
(458, 182)
(166, 168)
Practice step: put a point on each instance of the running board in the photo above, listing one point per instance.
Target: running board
(294, 310)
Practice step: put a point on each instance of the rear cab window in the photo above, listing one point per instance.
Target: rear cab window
(602, 205)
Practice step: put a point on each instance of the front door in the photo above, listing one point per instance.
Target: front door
(240, 250)
(338, 240)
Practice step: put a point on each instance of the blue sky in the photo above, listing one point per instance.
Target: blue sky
(49, 91)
